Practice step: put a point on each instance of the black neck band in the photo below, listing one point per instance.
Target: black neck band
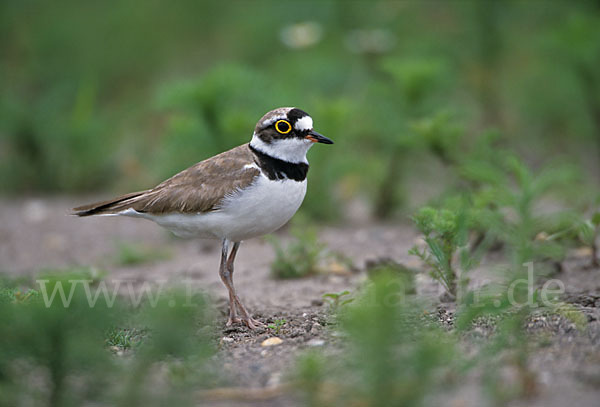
(276, 169)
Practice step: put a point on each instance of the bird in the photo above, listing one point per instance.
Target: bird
(248, 191)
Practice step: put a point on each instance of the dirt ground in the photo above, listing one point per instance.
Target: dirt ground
(37, 234)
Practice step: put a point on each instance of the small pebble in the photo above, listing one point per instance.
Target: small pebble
(271, 341)
(226, 339)
(316, 342)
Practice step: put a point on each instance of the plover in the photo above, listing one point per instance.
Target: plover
(248, 191)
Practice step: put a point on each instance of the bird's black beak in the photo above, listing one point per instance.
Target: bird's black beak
(318, 138)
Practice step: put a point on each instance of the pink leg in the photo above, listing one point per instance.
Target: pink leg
(226, 274)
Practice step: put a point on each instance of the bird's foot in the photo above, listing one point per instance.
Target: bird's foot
(232, 320)
(252, 323)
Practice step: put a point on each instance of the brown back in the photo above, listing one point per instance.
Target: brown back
(200, 188)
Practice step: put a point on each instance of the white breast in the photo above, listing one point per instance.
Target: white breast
(261, 208)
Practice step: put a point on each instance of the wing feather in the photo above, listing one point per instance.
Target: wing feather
(200, 188)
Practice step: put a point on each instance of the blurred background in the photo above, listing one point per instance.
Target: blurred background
(107, 99)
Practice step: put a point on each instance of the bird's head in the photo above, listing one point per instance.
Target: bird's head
(286, 133)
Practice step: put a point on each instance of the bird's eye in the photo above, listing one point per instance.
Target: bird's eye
(283, 126)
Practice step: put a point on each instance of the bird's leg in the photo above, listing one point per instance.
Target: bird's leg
(226, 273)
(246, 317)
(232, 313)
(229, 276)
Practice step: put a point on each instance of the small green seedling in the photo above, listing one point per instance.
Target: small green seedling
(124, 339)
(23, 297)
(277, 325)
(17, 296)
(336, 300)
(441, 233)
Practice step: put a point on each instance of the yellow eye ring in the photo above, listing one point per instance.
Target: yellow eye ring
(287, 129)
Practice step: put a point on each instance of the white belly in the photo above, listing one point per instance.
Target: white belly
(262, 208)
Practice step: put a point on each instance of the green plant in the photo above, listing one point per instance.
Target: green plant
(336, 300)
(177, 329)
(500, 203)
(62, 341)
(403, 273)
(277, 325)
(124, 338)
(508, 347)
(65, 347)
(444, 234)
(301, 257)
(16, 295)
(441, 135)
(410, 85)
(505, 198)
(391, 356)
(310, 378)
(530, 189)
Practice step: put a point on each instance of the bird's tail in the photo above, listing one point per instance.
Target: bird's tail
(111, 206)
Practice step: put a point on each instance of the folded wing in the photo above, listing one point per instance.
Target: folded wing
(200, 188)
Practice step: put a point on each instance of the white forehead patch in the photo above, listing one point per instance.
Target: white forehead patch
(304, 123)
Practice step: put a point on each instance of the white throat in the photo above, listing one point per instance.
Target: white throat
(292, 150)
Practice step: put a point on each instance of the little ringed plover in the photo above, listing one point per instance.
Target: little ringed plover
(248, 191)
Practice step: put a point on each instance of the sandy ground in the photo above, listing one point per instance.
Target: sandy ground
(38, 234)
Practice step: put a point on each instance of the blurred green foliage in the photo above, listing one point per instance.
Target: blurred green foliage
(396, 351)
(54, 353)
(499, 202)
(392, 354)
(92, 94)
(300, 257)
(581, 227)
(131, 254)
